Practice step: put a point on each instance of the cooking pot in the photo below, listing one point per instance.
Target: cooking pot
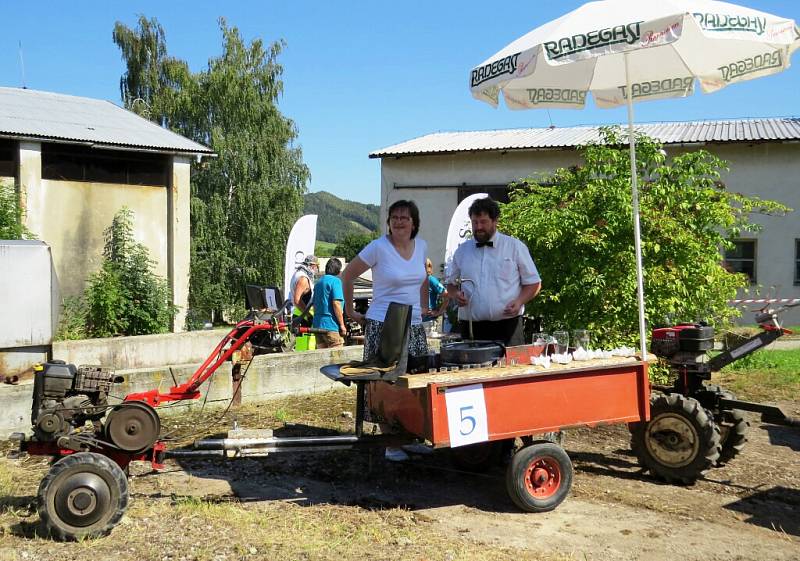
(471, 352)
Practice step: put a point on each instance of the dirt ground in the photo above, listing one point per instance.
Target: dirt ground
(748, 510)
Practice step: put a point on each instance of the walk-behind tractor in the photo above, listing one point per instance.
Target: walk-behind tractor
(482, 401)
(695, 425)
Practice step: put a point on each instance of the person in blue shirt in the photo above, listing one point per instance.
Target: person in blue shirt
(328, 298)
(437, 295)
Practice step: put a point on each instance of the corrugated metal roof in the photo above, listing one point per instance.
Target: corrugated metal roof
(45, 115)
(738, 130)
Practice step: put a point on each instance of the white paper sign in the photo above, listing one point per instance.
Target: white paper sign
(466, 415)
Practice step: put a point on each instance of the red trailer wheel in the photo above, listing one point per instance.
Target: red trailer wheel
(539, 477)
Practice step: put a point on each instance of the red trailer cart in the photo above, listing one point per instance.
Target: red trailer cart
(484, 410)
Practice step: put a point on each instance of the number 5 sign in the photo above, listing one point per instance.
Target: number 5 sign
(466, 415)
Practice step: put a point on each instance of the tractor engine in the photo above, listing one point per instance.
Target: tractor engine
(684, 345)
(66, 397)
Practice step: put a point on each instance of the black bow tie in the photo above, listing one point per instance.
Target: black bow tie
(481, 244)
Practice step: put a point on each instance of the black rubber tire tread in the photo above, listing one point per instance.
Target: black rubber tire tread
(733, 427)
(82, 462)
(694, 415)
(516, 474)
(480, 457)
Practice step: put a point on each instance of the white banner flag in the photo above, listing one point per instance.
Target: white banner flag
(460, 229)
(300, 243)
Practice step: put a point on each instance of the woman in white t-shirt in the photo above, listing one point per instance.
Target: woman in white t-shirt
(397, 261)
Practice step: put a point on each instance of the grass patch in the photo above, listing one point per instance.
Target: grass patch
(765, 374)
(165, 524)
(324, 249)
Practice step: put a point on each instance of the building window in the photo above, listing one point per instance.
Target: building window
(797, 261)
(742, 258)
(80, 163)
(498, 193)
(8, 159)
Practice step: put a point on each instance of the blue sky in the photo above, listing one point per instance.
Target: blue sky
(358, 76)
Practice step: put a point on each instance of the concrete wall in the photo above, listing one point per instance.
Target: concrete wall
(143, 351)
(72, 215)
(269, 377)
(769, 170)
(178, 237)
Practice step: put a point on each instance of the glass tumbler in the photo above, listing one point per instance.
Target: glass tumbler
(562, 341)
(540, 342)
(581, 339)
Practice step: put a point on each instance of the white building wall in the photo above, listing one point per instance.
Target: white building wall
(768, 170)
(432, 182)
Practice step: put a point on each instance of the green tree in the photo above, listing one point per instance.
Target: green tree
(125, 297)
(11, 226)
(351, 244)
(245, 201)
(578, 225)
(338, 217)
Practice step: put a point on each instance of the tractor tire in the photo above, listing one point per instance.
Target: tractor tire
(732, 428)
(679, 442)
(539, 477)
(480, 457)
(84, 495)
(733, 434)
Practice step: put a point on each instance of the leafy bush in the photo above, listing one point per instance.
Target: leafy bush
(72, 321)
(125, 297)
(351, 244)
(578, 225)
(11, 227)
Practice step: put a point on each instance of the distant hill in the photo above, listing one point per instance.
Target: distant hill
(337, 217)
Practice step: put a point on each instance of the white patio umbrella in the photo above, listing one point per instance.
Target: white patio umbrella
(623, 51)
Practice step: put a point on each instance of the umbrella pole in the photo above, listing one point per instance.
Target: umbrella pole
(636, 230)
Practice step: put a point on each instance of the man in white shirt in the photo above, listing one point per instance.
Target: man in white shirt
(498, 277)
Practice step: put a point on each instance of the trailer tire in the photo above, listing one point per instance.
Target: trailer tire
(539, 477)
(480, 457)
(84, 495)
(679, 442)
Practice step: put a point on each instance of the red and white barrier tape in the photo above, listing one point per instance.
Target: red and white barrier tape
(765, 301)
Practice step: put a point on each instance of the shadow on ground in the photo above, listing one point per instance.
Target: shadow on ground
(360, 478)
(777, 508)
(784, 436)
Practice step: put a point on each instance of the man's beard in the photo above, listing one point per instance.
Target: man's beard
(482, 235)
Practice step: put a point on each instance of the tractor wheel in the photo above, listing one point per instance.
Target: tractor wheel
(732, 427)
(539, 477)
(679, 442)
(84, 495)
(733, 434)
(480, 457)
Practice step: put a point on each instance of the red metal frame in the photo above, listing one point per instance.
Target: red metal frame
(525, 404)
(154, 455)
(237, 337)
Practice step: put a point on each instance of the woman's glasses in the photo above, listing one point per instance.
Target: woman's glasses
(399, 218)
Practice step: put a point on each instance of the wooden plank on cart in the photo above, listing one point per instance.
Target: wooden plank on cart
(477, 375)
